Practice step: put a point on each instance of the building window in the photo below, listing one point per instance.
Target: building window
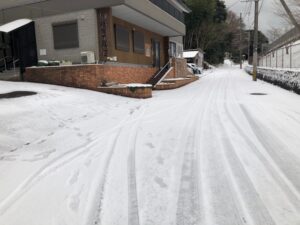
(273, 54)
(287, 50)
(121, 38)
(179, 50)
(138, 42)
(65, 35)
(172, 49)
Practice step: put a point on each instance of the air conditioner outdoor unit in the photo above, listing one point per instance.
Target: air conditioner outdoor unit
(87, 57)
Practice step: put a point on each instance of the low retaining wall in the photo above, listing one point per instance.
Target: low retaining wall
(138, 92)
(287, 79)
(173, 83)
(88, 76)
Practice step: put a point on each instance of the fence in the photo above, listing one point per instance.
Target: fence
(287, 56)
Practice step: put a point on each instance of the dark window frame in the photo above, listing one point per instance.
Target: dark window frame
(118, 45)
(138, 49)
(69, 44)
(172, 49)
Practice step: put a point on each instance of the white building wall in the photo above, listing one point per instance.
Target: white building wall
(296, 56)
(87, 31)
(285, 57)
(179, 45)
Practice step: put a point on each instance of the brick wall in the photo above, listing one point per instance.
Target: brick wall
(171, 74)
(125, 75)
(88, 76)
(139, 92)
(180, 67)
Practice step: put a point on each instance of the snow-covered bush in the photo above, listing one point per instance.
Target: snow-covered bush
(288, 79)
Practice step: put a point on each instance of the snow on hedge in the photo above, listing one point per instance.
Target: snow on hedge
(288, 79)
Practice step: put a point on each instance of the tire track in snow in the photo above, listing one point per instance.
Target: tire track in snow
(271, 164)
(63, 159)
(249, 206)
(189, 211)
(223, 207)
(101, 189)
(133, 209)
(133, 206)
(53, 165)
(286, 170)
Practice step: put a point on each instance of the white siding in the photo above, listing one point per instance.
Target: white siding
(87, 31)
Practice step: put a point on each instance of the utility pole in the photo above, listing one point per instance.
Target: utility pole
(249, 45)
(241, 27)
(255, 47)
(290, 14)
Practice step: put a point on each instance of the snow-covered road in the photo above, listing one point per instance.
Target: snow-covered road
(209, 153)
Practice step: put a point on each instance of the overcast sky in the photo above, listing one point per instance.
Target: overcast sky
(267, 18)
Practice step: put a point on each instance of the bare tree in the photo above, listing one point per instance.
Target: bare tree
(294, 5)
(275, 33)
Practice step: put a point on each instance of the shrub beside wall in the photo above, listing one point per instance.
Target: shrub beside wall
(287, 79)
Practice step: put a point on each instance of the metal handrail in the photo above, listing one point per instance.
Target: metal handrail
(5, 63)
(159, 74)
(14, 63)
(4, 59)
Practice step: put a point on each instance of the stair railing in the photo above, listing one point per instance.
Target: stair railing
(159, 74)
(5, 64)
(14, 64)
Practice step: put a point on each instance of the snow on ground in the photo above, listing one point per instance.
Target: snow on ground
(205, 154)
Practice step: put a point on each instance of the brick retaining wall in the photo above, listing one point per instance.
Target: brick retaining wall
(88, 76)
(138, 92)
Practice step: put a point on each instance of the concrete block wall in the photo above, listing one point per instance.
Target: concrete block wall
(87, 31)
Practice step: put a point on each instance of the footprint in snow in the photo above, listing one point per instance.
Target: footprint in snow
(160, 160)
(8, 158)
(42, 141)
(74, 178)
(88, 162)
(14, 150)
(150, 145)
(160, 182)
(41, 156)
(74, 203)
(52, 133)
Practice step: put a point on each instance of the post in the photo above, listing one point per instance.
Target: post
(249, 45)
(291, 57)
(255, 58)
(283, 57)
(241, 61)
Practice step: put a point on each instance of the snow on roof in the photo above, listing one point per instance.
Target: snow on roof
(190, 54)
(6, 28)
